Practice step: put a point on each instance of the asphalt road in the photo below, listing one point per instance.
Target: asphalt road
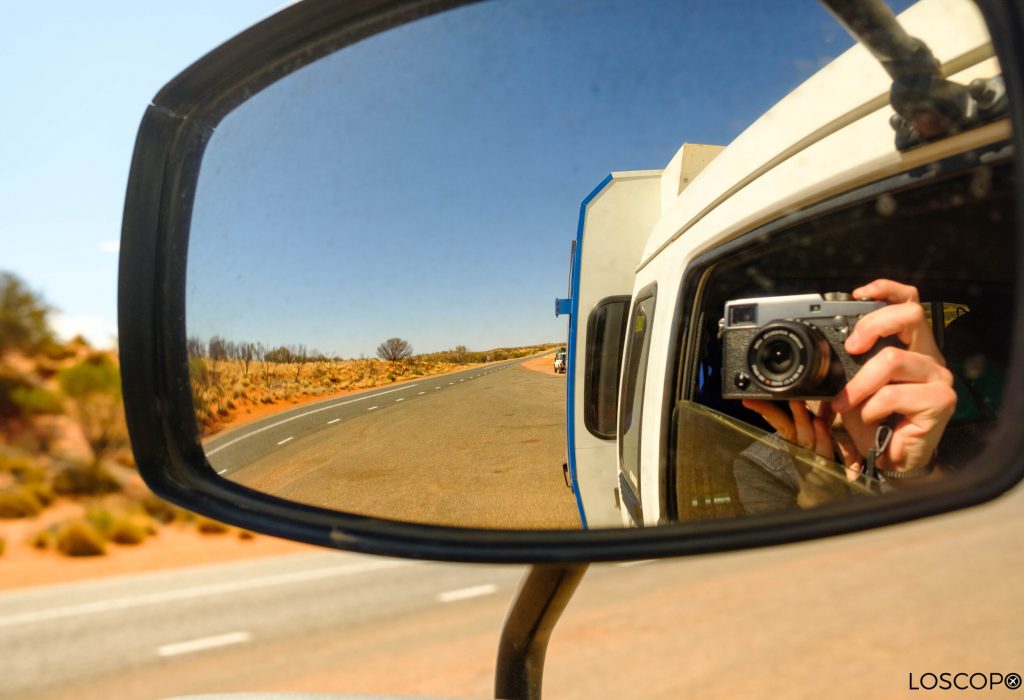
(479, 448)
(850, 617)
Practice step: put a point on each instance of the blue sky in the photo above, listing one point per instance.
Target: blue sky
(76, 78)
(424, 183)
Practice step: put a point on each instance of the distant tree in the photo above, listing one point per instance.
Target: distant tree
(217, 351)
(260, 355)
(23, 316)
(94, 387)
(196, 347)
(460, 353)
(300, 356)
(246, 353)
(394, 349)
(217, 348)
(279, 355)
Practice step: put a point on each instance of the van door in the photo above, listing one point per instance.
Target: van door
(615, 222)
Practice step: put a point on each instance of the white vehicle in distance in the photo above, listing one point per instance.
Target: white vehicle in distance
(559, 362)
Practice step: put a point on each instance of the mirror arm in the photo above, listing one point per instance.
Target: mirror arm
(928, 106)
(542, 596)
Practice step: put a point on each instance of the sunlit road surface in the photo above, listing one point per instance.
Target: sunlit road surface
(478, 448)
(843, 618)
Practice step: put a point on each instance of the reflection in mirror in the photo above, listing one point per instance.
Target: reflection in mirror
(377, 240)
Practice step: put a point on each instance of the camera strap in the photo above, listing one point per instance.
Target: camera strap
(883, 436)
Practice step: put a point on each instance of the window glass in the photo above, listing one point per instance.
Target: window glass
(606, 337)
(633, 394)
(730, 460)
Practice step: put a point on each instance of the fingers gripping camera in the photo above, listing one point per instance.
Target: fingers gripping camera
(791, 347)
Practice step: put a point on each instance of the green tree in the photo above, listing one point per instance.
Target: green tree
(23, 316)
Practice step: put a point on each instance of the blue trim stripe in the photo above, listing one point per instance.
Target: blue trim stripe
(570, 379)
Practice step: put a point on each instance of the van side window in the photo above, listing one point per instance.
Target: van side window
(606, 338)
(726, 459)
(633, 390)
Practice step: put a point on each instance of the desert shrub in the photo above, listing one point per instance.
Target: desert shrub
(19, 502)
(85, 481)
(160, 510)
(41, 540)
(3, 545)
(58, 352)
(79, 539)
(246, 535)
(42, 491)
(126, 531)
(209, 526)
(94, 389)
(34, 401)
(102, 520)
(22, 467)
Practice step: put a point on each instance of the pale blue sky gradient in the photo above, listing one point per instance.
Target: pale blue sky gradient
(76, 79)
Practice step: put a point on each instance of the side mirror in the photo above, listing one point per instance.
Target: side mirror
(344, 229)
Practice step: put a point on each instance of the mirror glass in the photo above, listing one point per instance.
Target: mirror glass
(378, 240)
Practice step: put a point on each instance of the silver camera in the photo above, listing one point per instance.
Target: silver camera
(791, 347)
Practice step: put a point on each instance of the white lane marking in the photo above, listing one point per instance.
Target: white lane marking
(303, 415)
(462, 380)
(401, 399)
(221, 640)
(287, 439)
(330, 422)
(221, 471)
(192, 592)
(421, 393)
(638, 562)
(466, 593)
(451, 383)
(436, 388)
(373, 408)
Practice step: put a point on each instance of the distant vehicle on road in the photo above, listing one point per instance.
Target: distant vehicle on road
(559, 363)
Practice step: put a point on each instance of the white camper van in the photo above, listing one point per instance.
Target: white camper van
(826, 192)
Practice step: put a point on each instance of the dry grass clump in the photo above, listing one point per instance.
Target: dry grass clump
(209, 526)
(120, 528)
(162, 511)
(3, 545)
(79, 539)
(19, 502)
(85, 481)
(127, 531)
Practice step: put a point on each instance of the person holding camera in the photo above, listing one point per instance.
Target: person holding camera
(903, 385)
(911, 383)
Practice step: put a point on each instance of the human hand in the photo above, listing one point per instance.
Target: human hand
(913, 382)
(798, 425)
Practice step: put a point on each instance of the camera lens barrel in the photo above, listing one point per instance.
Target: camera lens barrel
(789, 357)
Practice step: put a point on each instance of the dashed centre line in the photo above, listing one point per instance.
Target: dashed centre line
(466, 593)
(330, 422)
(372, 408)
(221, 640)
(401, 399)
(287, 439)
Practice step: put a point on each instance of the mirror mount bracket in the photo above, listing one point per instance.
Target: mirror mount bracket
(542, 596)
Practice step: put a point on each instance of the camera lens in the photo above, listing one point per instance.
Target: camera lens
(777, 356)
(789, 357)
